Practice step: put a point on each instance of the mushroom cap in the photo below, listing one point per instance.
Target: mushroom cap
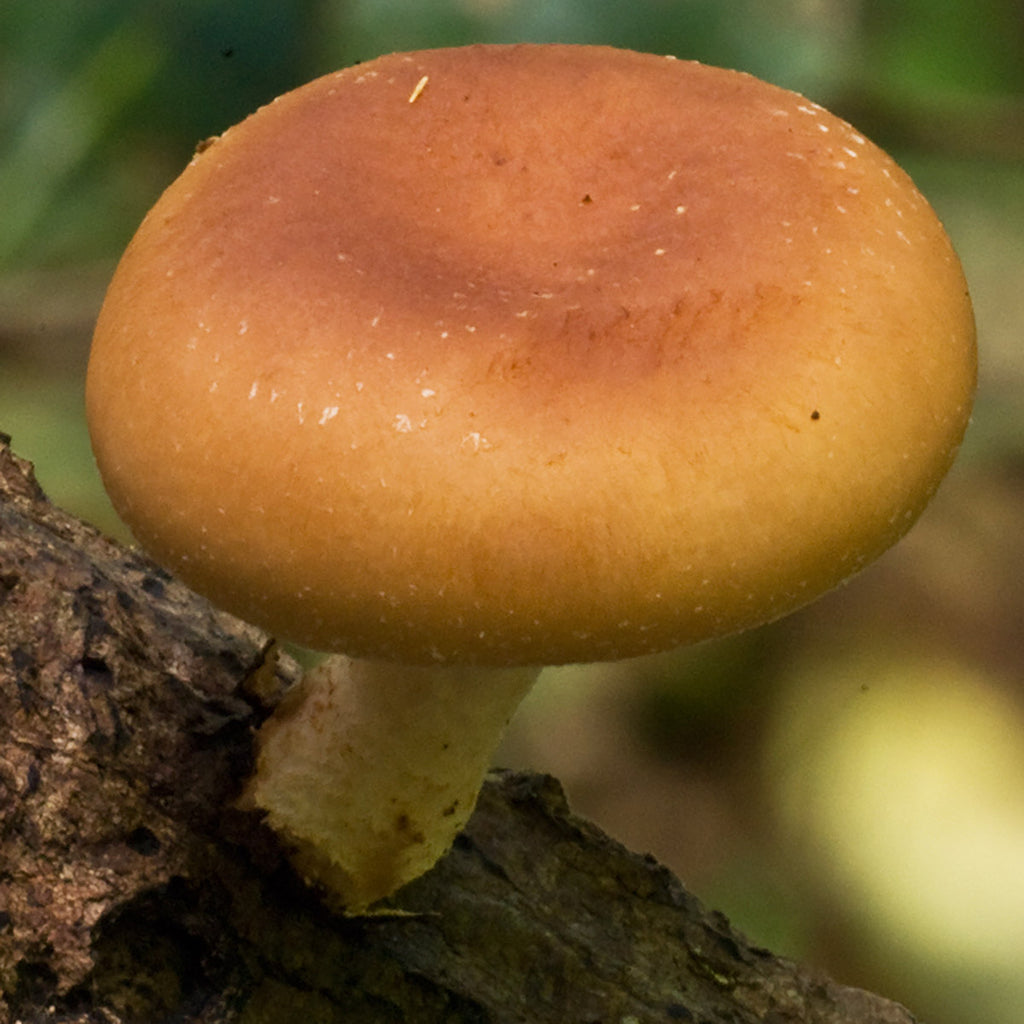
(529, 354)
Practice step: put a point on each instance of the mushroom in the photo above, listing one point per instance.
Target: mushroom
(468, 361)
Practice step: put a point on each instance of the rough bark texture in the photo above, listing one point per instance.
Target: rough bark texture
(132, 891)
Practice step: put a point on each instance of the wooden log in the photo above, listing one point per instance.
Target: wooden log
(132, 891)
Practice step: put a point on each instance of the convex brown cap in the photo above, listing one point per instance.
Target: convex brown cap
(530, 354)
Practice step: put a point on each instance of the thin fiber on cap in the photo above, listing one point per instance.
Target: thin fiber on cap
(530, 354)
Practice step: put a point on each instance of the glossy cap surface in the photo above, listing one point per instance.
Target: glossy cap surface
(530, 354)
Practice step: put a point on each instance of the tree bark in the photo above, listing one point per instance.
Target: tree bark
(132, 890)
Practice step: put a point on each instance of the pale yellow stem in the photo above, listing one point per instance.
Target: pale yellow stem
(369, 769)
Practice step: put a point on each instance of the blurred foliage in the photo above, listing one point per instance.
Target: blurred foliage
(103, 101)
(923, 50)
(97, 95)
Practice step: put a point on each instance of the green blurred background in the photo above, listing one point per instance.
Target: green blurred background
(848, 785)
